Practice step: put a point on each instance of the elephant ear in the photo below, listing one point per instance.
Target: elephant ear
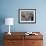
(31, 16)
(22, 14)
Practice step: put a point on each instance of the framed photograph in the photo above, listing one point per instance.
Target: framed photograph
(26, 16)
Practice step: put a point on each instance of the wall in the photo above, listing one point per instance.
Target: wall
(9, 8)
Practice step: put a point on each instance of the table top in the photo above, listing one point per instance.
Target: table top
(22, 35)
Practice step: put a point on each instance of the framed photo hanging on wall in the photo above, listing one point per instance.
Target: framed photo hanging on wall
(26, 16)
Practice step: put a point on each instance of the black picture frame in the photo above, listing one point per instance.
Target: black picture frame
(27, 16)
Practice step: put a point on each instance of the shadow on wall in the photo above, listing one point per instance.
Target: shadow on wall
(1, 39)
(2, 21)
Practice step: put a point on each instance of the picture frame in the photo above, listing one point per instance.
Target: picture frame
(27, 16)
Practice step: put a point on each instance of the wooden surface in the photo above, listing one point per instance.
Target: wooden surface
(33, 43)
(20, 39)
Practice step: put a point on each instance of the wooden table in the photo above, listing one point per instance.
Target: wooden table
(20, 39)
